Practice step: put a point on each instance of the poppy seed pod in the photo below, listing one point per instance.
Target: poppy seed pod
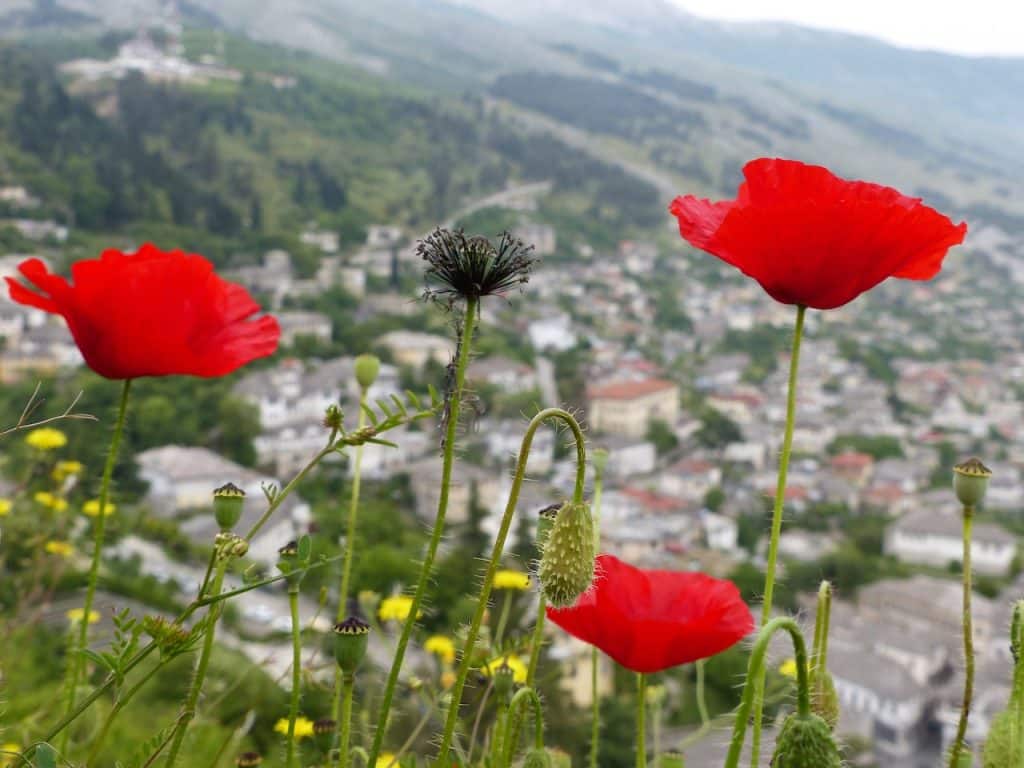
(537, 757)
(367, 368)
(350, 640)
(805, 742)
(567, 563)
(504, 681)
(970, 481)
(227, 505)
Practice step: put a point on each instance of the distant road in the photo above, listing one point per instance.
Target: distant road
(505, 199)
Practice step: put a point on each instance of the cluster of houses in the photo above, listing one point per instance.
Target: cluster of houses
(895, 652)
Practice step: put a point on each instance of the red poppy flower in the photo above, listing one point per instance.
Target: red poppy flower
(152, 313)
(811, 238)
(652, 620)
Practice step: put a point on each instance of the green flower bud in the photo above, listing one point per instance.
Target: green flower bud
(334, 417)
(599, 460)
(350, 640)
(227, 505)
(672, 760)
(824, 699)
(970, 481)
(367, 369)
(537, 757)
(805, 742)
(248, 760)
(567, 564)
(504, 681)
(559, 758)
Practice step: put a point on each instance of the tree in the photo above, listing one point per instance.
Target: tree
(661, 434)
(717, 430)
(714, 498)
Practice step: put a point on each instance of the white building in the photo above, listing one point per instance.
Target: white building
(931, 537)
(552, 332)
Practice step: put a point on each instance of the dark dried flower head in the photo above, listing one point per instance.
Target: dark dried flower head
(472, 267)
(248, 760)
(324, 725)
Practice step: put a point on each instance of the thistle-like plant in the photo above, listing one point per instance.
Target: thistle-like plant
(473, 267)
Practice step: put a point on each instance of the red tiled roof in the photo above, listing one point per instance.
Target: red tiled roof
(629, 390)
(852, 460)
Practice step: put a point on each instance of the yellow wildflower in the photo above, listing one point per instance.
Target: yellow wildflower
(9, 750)
(65, 469)
(62, 548)
(509, 579)
(51, 500)
(5, 507)
(303, 727)
(512, 662)
(385, 760)
(75, 615)
(442, 647)
(396, 608)
(788, 668)
(46, 439)
(92, 508)
(447, 679)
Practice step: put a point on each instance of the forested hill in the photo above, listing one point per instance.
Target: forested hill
(221, 163)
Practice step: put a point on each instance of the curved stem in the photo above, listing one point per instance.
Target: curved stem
(499, 544)
(965, 709)
(454, 407)
(345, 723)
(77, 662)
(773, 542)
(641, 726)
(757, 667)
(523, 695)
(350, 537)
(293, 705)
(192, 698)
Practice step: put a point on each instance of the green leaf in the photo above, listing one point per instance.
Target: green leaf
(305, 548)
(46, 756)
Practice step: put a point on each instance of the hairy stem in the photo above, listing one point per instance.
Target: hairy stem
(189, 709)
(595, 701)
(506, 607)
(77, 661)
(454, 407)
(773, 542)
(122, 701)
(757, 667)
(293, 704)
(521, 697)
(641, 725)
(965, 708)
(499, 545)
(350, 537)
(345, 723)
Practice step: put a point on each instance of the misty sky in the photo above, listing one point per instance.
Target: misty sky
(992, 27)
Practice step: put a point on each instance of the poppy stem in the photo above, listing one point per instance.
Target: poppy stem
(77, 661)
(1017, 693)
(451, 430)
(702, 708)
(965, 708)
(345, 723)
(557, 414)
(506, 607)
(293, 704)
(346, 566)
(595, 702)
(757, 667)
(819, 651)
(525, 694)
(776, 530)
(641, 726)
(188, 711)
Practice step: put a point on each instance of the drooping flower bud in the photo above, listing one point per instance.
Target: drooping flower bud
(805, 742)
(227, 505)
(567, 563)
(350, 640)
(537, 757)
(367, 368)
(970, 481)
